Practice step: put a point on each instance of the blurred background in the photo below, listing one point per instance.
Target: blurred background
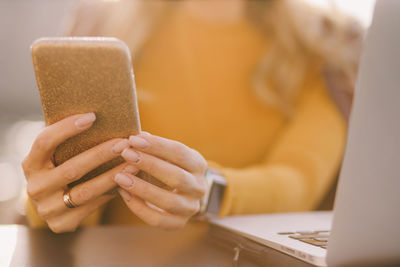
(21, 22)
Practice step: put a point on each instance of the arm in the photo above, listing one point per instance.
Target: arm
(300, 168)
(294, 176)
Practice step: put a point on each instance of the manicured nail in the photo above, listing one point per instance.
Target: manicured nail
(120, 146)
(123, 180)
(85, 120)
(130, 155)
(125, 195)
(131, 169)
(138, 142)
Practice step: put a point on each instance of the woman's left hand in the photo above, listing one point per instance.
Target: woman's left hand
(176, 165)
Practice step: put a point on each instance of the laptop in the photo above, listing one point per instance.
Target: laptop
(364, 227)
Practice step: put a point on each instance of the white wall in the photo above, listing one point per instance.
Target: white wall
(21, 22)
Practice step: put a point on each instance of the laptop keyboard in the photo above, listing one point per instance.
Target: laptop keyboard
(315, 238)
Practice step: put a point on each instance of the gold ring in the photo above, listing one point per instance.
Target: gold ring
(68, 200)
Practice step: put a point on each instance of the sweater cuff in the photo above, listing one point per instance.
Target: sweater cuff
(32, 216)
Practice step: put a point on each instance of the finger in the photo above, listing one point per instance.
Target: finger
(169, 150)
(70, 220)
(166, 200)
(53, 135)
(98, 186)
(164, 171)
(151, 216)
(81, 194)
(74, 168)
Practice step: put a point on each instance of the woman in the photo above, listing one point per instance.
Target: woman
(239, 81)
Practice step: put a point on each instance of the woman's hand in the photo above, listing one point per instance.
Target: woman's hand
(46, 183)
(176, 165)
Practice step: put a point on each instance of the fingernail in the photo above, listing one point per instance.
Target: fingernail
(138, 142)
(85, 120)
(120, 146)
(125, 195)
(130, 155)
(123, 180)
(131, 169)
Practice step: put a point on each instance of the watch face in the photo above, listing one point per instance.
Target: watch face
(215, 199)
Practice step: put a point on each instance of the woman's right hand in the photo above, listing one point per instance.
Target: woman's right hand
(46, 183)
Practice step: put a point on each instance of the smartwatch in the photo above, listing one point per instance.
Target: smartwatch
(210, 204)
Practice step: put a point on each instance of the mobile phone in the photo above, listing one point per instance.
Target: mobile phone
(87, 74)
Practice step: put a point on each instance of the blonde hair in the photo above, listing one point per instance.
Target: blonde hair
(300, 35)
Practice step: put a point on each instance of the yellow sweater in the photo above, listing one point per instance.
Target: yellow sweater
(194, 86)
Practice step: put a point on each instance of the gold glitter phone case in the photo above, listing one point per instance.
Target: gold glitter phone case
(80, 75)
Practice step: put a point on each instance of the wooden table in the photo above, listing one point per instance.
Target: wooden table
(196, 245)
